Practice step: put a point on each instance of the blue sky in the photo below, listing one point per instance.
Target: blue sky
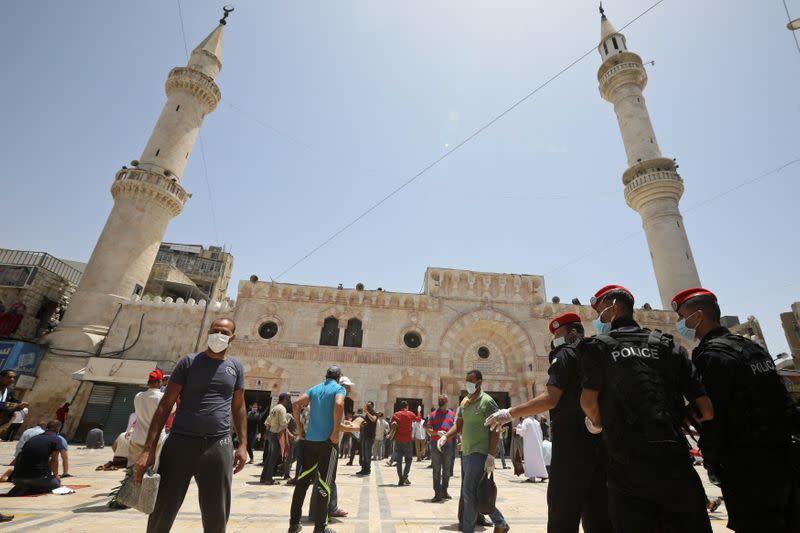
(328, 106)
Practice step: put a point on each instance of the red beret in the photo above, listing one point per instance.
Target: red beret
(682, 296)
(156, 375)
(563, 319)
(605, 290)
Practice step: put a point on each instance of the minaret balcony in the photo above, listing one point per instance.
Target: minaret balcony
(651, 185)
(199, 84)
(140, 183)
(618, 70)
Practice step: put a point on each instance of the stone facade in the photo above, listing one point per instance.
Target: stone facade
(791, 328)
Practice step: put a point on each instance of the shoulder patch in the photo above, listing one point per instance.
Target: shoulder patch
(230, 370)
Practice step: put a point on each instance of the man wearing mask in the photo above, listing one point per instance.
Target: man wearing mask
(577, 487)
(754, 416)
(367, 439)
(404, 442)
(477, 447)
(211, 387)
(439, 423)
(276, 423)
(636, 384)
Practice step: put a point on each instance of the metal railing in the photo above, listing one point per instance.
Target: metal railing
(41, 260)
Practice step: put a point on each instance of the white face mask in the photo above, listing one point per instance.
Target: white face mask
(471, 387)
(558, 341)
(218, 342)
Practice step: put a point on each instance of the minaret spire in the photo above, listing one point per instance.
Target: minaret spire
(146, 198)
(652, 184)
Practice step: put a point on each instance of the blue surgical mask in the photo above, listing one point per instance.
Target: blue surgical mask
(603, 327)
(690, 334)
(471, 387)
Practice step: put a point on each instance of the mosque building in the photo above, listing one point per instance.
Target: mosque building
(392, 345)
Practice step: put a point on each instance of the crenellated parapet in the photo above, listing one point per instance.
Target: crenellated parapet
(152, 186)
(484, 286)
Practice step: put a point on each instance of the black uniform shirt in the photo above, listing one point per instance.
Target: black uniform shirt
(566, 416)
(598, 367)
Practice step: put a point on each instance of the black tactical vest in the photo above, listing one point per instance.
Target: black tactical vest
(761, 413)
(642, 390)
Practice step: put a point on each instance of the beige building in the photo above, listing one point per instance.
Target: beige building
(35, 289)
(392, 345)
(791, 328)
(190, 271)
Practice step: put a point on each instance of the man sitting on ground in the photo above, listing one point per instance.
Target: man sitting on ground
(36, 470)
(95, 438)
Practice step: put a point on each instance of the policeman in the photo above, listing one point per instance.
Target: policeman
(749, 438)
(634, 385)
(577, 488)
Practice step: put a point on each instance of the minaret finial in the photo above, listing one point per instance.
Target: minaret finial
(602, 11)
(227, 10)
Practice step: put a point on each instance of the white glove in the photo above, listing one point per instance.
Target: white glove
(442, 433)
(489, 466)
(441, 442)
(594, 430)
(496, 420)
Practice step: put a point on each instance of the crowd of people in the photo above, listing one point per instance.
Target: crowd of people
(623, 406)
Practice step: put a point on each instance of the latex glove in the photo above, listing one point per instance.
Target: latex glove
(496, 420)
(489, 466)
(441, 442)
(594, 430)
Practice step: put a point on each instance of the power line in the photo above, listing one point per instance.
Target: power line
(794, 33)
(458, 146)
(694, 207)
(200, 139)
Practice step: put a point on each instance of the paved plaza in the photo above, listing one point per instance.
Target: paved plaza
(375, 503)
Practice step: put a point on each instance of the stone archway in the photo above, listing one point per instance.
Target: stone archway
(408, 382)
(506, 355)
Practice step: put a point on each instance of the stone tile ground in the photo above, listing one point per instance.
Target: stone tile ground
(375, 503)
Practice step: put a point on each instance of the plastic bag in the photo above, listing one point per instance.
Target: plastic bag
(487, 494)
(140, 496)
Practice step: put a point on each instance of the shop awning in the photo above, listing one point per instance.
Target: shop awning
(110, 370)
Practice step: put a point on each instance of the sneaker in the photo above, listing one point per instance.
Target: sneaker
(406, 481)
(339, 513)
(6, 517)
(437, 498)
(481, 521)
(501, 529)
(269, 482)
(294, 528)
(446, 496)
(400, 483)
(362, 473)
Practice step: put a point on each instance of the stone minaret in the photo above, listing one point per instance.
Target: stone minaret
(146, 197)
(652, 184)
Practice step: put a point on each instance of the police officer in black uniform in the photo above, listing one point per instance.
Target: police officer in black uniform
(577, 488)
(748, 441)
(634, 385)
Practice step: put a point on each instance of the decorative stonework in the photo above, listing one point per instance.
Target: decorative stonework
(648, 187)
(145, 184)
(197, 83)
(620, 70)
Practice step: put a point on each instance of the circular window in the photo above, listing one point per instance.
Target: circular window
(483, 352)
(268, 330)
(412, 339)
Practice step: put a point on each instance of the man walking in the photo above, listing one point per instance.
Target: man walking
(477, 446)
(368, 429)
(319, 452)
(211, 387)
(381, 427)
(404, 442)
(276, 423)
(253, 419)
(576, 491)
(749, 440)
(636, 385)
(439, 423)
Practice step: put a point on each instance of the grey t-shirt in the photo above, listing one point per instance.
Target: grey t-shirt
(205, 403)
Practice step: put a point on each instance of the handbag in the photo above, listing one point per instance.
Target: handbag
(140, 496)
(487, 493)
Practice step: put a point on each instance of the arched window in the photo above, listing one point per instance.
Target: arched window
(353, 334)
(614, 41)
(330, 332)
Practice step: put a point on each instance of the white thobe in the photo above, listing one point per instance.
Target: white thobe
(531, 432)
